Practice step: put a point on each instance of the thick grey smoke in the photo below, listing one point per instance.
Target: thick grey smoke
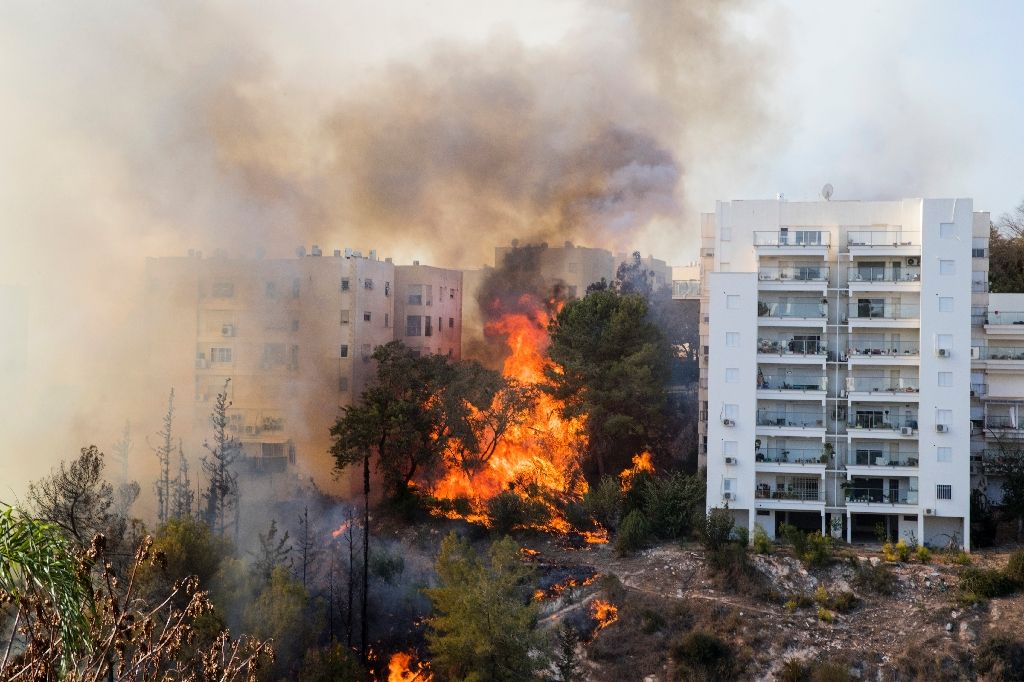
(141, 129)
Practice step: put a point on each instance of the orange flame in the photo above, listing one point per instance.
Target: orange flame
(402, 669)
(641, 465)
(542, 452)
(604, 613)
(340, 530)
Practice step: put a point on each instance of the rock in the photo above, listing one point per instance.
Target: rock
(875, 561)
(949, 627)
(953, 614)
(967, 633)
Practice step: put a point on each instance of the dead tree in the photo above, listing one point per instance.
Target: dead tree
(309, 549)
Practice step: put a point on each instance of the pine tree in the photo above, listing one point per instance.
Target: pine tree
(221, 495)
(181, 489)
(163, 454)
(274, 552)
(309, 549)
(567, 660)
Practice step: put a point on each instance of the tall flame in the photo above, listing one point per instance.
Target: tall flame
(401, 668)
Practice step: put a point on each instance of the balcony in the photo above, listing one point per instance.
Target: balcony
(882, 388)
(798, 456)
(1007, 423)
(882, 352)
(787, 238)
(791, 386)
(1001, 353)
(880, 459)
(876, 312)
(888, 242)
(881, 423)
(858, 274)
(792, 423)
(1006, 317)
(793, 277)
(979, 390)
(879, 496)
(791, 349)
(792, 313)
(799, 491)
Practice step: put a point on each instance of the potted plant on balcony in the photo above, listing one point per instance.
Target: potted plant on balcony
(826, 452)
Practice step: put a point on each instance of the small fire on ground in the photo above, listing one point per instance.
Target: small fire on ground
(605, 613)
(403, 668)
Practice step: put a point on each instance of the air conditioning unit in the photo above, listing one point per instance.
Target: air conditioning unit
(942, 428)
(227, 330)
(727, 496)
(906, 431)
(729, 422)
(942, 352)
(913, 261)
(929, 512)
(975, 352)
(730, 460)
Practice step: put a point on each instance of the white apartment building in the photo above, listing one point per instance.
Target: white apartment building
(836, 387)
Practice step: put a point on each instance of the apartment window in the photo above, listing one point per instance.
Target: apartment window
(270, 289)
(947, 267)
(977, 253)
(731, 411)
(387, 320)
(415, 294)
(273, 354)
(414, 325)
(344, 317)
(222, 290)
(944, 417)
(451, 323)
(220, 355)
(729, 485)
(732, 302)
(732, 339)
(367, 315)
(295, 325)
(343, 384)
(945, 304)
(451, 294)
(944, 342)
(345, 284)
(387, 288)
(428, 329)
(944, 454)
(344, 351)
(730, 448)
(945, 379)
(947, 230)
(368, 283)
(943, 491)
(732, 375)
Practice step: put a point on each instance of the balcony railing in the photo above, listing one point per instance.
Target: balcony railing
(880, 459)
(1003, 422)
(792, 238)
(890, 348)
(882, 238)
(793, 273)
(883, 384)
(883, 274)
(877, 496)
(1006, 317)
(890, 311)
(763, 491)
(884, 422)
(791, 382)
(979, 287)
(1001, 353)
(790, 347)
(792, 309)
(978, 390)
(814, 419)
(790, 456)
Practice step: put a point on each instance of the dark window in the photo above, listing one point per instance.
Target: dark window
(271, 289)
(414, 325)
(344, 350)
(367, 283)
(387, 320)
(366, 316)
(415, 294)
(344, 284)
(296, 287)
(451, 323)
(427, 330)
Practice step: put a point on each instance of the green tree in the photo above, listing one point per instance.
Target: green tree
(282, 613)
(274, 553)
(483, 627)
(611, 364)
(1006, 253)
(221, 496)
(1008, 465)
(163, 451)
(189, 547)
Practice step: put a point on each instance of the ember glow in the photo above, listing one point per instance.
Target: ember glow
(340, 530)
(604, 613)
(539, 453)
(402, 668)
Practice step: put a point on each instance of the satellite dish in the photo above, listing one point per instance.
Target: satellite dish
(826, 191)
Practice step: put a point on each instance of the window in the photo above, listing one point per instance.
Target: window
(415, 294)
(451, 294)
(344, 351)
(945, 379)
(947, 267)
(293, 360)
(732, 339)
(220, 355)
(367, 315)
(368, 283)
(427, 328)
(273, 354)
(944, 417)
(977, 253)
(345, 284)
(870, 307)
(945, 304)
(387, 320)
(732, 375)
(295, 325)
(732, 302)
(344, 317)
(943, 491)
(729, 485)
(730, 411)
(947, 230)
(730, 448)
(944, 342)
(222, 290)
(366, 351)
(343, 384)
(451, 323)
(271, 289)
(387, 288)
(413, 325)
(296, 287)
(944, 454)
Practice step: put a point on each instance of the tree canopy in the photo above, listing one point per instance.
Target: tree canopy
(1006, 253)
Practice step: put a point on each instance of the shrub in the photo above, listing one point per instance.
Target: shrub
(762, 543)
(985, 583)
(824, 615)
(923, 554)
(821, 595)
(604, 503)
(790, 605)
(878, 579)
(633, 533)
(507, 511)
(716, 530)
(386, 566)
(1015, 567)
(795, 670)
(578, 517)
(843, 602)
(671, 503)
(1001, 657)
(819, 550)
(795, 537)
(898, 551)
(741, 535)
(960, 558)
(701, 654)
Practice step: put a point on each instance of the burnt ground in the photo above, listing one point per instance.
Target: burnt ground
(921, 631)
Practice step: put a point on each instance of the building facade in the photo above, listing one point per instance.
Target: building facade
(836, 364)
(295, 337)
